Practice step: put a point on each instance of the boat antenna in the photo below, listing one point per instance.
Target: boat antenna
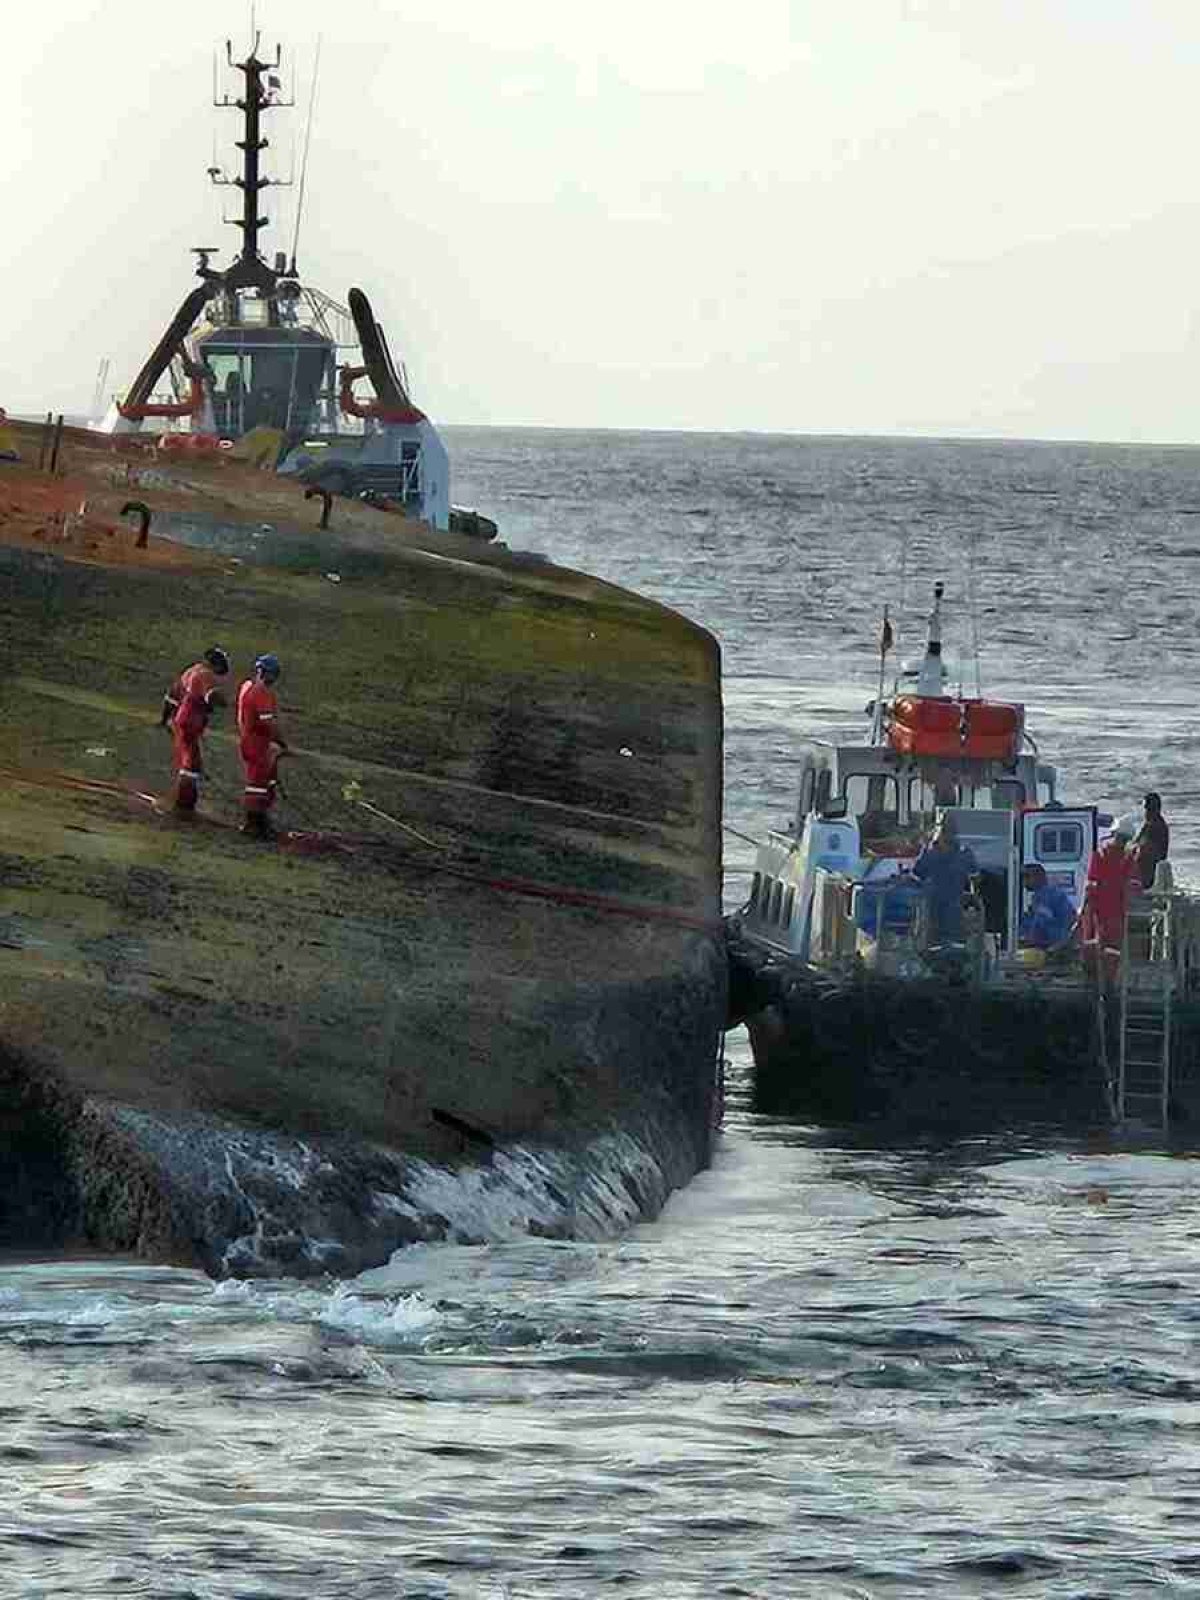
(312, 100)
(932, 674)
(973, 604)
(886, 640)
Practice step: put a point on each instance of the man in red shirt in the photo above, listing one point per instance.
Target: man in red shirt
(186, 709)
(260, 744)
(1112, 878)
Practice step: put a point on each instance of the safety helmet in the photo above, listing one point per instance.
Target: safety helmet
(218, 660)
(268, 666)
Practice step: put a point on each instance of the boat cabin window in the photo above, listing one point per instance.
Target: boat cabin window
(266, 384)
(1008, 794)
(875, 801)
(1058, 841)
(926, 797)
(776, 900)
(808, 779)
(1003, 795)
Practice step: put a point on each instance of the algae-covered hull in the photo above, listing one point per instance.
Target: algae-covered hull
(493, 928)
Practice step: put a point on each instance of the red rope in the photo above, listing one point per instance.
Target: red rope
(533, 889)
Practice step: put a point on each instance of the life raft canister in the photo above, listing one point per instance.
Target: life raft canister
(983, 730)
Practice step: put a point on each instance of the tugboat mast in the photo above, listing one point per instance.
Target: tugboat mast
(250, 270)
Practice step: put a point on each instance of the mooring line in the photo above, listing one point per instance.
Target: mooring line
(531, 888)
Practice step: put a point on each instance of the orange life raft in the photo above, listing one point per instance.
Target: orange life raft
(982, 730)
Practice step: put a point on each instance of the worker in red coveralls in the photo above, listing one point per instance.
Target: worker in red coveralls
(1111, 881)
(186, 709)
(260, 744)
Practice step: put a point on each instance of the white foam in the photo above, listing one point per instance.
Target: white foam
(407, 1319)
(403, 1319)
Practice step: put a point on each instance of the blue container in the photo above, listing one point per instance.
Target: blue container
(899, 902)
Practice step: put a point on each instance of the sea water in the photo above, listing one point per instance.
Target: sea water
(827, 1369)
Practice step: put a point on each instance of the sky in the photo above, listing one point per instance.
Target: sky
(924, 217)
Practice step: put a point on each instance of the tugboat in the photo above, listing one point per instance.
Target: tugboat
(855, 1008)
(258, 361)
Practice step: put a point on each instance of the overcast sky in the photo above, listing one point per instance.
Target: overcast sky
(843, 216)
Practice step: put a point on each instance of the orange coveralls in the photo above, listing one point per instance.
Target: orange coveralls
(193, 694)
(256, 712)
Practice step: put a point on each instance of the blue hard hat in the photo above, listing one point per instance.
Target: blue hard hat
(268, 665)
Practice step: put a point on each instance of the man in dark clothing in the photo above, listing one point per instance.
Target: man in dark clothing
(1050, 914)
(945, 868)
(1153, 840)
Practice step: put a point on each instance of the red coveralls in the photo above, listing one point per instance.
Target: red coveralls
(1112, 876)
(256, 709)
(192, 693)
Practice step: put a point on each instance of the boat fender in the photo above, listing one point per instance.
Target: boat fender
(326, 500)
(143, 512)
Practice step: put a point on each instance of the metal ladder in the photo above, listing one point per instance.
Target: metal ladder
(1142, 1091)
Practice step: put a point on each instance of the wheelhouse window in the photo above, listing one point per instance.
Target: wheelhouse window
(1008, 794)
(1005, 794)
(924, 797)
(807, 786)
(776, 900)
(824, 789)
(875, 800)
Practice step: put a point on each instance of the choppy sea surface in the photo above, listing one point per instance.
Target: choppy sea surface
(827, 1370)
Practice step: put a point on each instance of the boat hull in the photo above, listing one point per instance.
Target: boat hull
(930, 1056)
(491, 928)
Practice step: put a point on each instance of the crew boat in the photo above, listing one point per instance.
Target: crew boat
(836, 885)
(858, 1010)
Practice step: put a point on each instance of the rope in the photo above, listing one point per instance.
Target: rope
(737, 834)
(530, 888)
(395, 821)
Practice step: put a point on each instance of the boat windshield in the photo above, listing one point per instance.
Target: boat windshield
(875, 800)
(926, 796)
(270, 383)
(897, 809)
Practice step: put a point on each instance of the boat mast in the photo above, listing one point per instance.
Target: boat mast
(250, 270)
(931, 678)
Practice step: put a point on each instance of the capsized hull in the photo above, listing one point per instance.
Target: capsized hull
(496, 929)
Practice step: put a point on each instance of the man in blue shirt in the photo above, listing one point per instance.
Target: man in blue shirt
(1050, 914)
(946, 868)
